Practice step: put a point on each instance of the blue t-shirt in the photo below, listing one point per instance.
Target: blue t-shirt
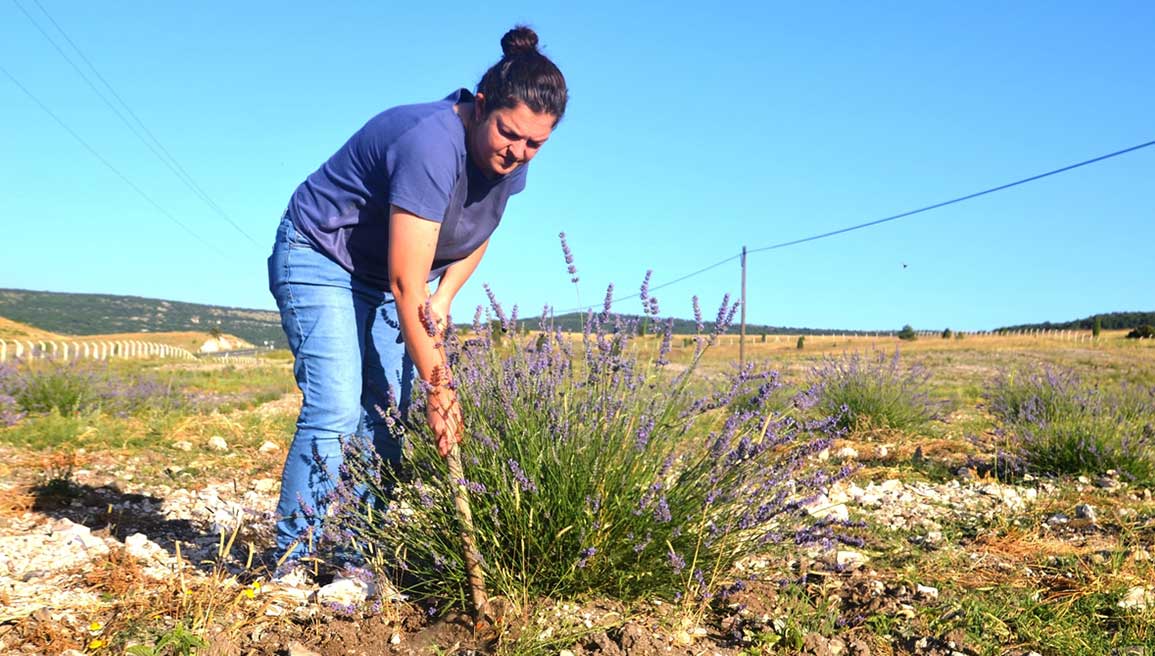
(414, 157)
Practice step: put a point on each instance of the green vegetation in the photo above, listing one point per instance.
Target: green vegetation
(103, 314)
(1058, 423)
(872, 391)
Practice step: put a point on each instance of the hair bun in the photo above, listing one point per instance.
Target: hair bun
(520, 40)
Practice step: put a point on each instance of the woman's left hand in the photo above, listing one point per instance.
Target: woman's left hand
(439, 307)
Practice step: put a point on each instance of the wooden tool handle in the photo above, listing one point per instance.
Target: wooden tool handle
(465, 518)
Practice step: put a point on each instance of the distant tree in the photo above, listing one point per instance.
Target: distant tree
(801, 341)
(215, 332)
(1146, 331)
(947, 334)
(1097, 327)
(907, 333)
(763, 340)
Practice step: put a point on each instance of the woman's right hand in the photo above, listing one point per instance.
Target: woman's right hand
(444, 415)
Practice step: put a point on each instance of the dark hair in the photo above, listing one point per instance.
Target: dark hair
(524, 75)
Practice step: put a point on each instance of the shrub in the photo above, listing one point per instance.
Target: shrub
(1097, 327)
(9, 410)
(591, 470)
(801, 342)
(1060, 424)
(1146, 331)
(78, 386)
(947, 334)
(907, 333)
(872, 392)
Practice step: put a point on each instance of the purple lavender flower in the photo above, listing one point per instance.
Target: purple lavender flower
(497, 309)
(698, 314)
(570, 268)
(644, 292)
(428, 321)
(519, 476)
(643, 435)
(676, 561)
(609, 301)
(662, 510)
(586, 554)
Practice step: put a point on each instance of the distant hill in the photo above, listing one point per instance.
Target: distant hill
(102, 314)
(1109, 321)
(572, 322)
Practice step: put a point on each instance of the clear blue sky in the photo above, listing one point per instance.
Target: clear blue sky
(692, 130)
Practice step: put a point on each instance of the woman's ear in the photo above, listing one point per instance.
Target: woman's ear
(479, 106)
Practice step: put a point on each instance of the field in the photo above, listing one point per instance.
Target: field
(143, 524)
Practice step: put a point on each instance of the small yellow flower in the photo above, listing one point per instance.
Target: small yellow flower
(96, 643)
(95, 627)
(249, 593)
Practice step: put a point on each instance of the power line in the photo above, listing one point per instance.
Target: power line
(884, 220)
(104, 161)
(955, 200)
(158, 149)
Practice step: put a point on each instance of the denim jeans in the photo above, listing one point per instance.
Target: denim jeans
(350, 363)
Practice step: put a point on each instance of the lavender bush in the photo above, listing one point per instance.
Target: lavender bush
(874, 391)
(71, 387)
(592, 470)
(1062, 424)
(10, 412)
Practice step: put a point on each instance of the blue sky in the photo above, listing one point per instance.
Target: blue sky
(691, 131)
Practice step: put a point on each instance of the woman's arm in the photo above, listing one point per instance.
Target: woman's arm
(458, 272)
(412, 243)
(452, 281)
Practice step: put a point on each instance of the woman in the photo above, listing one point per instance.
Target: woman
(411, 198)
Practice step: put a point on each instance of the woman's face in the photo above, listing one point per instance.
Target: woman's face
(507, 137)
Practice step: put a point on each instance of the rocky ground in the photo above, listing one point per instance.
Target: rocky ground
(99, 552)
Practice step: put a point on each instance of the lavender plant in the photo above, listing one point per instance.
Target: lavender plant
(10, 412)
(592, 469)
(1062, 424)
(70, 387)
(874, 391)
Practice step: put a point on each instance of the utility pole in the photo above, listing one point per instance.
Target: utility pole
(742, 334)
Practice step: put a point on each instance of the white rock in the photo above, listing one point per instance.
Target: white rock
(268, 447)
(265, 484)
(882, 452)
(344, 591)
(847, 452)
(182, 445)
(139, 546)
(823, 455)
(1137, 597)
(927, 591)
(218, 443)
(395, 639)
(891, 485)
(850, 559)
(822, 507)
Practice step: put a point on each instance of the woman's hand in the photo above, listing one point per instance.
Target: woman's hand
(439, 308)
(443, 413)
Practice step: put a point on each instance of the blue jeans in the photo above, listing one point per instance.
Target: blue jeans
(350, 364)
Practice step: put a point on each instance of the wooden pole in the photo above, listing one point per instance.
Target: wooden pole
(742, 334)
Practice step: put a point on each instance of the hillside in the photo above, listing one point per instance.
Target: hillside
(1108, 321)
(14, 330)
(572, 322)
(105, 314)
